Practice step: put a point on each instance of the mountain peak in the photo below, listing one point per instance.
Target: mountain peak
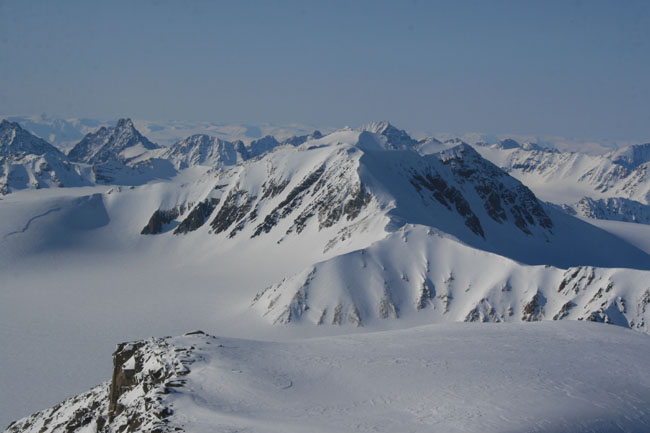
(14, 140)
(111, 144)
(124, 123)
(378, 127)
(7, 124)
(397, 138)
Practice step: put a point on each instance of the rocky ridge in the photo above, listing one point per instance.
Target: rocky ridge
(145, 374)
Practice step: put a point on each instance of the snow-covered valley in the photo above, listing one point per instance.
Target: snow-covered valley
(309, 246)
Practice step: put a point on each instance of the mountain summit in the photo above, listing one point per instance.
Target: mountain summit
(397, 138)
(121, 143)
(17, 142)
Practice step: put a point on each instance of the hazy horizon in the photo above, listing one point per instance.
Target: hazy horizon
(570, 69)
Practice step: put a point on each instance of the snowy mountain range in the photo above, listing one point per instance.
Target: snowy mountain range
(310, 235)
(570, 176)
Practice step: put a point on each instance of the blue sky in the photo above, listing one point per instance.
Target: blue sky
(571, 68)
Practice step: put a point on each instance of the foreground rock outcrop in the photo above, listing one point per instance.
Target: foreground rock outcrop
(143, 373)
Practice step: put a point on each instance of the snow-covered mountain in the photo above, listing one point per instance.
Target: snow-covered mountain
(348, 180)
(355, 229)
(64, 133)
(121, 143)
(121, 155)
(202, 149)
(420, 271)
(61, 132)
(566, 177)
(545, 378)
(27, 161)
(615, 209)
(396, 138)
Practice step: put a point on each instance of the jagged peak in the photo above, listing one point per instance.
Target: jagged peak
(396, 138)
(106, 144)
(124, 123)
(8, 124)
(378, 127)
(14, 139)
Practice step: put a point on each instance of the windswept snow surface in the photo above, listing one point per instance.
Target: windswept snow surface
(544, 377)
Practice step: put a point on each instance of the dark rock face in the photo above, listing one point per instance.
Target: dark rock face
(564, 311)
(196, 218)
(235, 207)
(160, 218)
(123, 376)
(272, 188)
(146, 370)
(534, 309)
(448, 195)
(15, 142)
(499, 199)
(291, 201)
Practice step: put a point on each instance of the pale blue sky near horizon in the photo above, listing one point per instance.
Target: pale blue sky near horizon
(569, 68)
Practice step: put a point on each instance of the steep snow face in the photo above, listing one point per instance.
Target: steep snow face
(122, 143)
(451, 378)
(471, 199)
(418, 270)
(27, 161)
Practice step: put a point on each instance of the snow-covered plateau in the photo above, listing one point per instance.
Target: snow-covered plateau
(545, 377)
(333, 269)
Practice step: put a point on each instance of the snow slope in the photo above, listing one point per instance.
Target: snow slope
(451, 378)
(420, 271)
(79, 275)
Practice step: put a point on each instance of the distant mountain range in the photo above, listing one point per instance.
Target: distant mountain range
(349, 229)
